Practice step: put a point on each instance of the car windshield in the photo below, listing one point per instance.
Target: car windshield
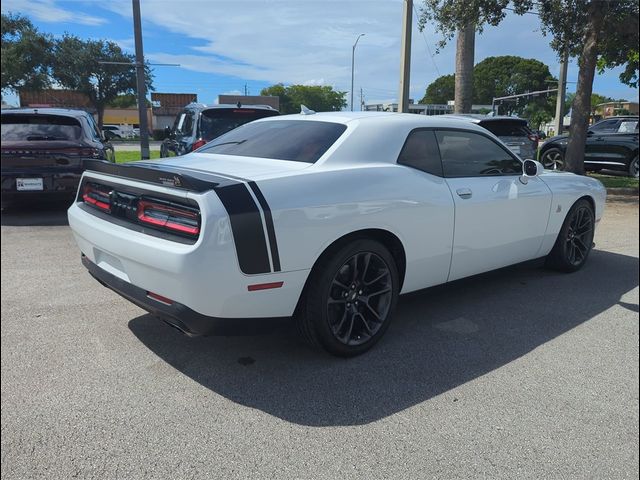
(295, 140)
(218, 121)
(507, 128)
(38, 127)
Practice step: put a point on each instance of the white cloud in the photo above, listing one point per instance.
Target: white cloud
(48, 11)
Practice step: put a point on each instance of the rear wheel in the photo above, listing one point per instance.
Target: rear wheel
(552, 159)
(350, 298)
(575, 239)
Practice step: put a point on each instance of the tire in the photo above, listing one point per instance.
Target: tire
(349, 300)
(552, 159)
(575, 239)
(633, 167)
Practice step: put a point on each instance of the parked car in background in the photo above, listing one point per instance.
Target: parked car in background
(612, 144)
(43, 150)
(514, 132)
(328, 216)
(117, 132)
(198, 124)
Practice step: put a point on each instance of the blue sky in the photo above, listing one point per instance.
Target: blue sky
(222, 46)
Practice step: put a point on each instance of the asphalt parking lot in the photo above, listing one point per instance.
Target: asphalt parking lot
(521, 373)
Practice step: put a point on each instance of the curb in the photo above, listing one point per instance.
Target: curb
(622, 191)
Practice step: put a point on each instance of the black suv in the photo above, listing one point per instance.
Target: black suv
(43, 150)
(612, 144)
(198, 124)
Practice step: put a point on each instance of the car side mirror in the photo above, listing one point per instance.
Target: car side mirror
(167, 132)
(589, 133)
(530, 169)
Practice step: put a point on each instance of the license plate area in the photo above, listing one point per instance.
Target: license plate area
(29, 184)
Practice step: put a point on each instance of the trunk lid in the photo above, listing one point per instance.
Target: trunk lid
(249, 168)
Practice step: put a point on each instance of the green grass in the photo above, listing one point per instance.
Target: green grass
(615, 181)
(130, 156)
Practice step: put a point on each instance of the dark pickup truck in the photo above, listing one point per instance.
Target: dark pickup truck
(43, 150)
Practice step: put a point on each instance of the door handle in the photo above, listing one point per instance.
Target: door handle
(464, 192)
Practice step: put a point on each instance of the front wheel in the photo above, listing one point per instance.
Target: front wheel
(575, 239)
(350, 298)
(552, 159)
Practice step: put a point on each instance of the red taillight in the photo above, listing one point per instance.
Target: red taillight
(198, 143)
(170, 217)
(97, 197)
(264, 286)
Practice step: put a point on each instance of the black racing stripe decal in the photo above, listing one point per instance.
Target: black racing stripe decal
(246, 225)
(271, 232)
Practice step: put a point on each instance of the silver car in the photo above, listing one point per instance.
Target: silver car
(514, 132)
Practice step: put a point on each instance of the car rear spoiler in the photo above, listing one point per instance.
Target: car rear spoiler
(160, 174)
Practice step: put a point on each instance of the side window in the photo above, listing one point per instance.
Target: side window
(95, 131)
(177, 125)
(605, 126)
(187, 125)
(469, 154)
(421, 151)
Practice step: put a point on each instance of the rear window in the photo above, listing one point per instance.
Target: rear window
(40, 127)
(507, 129)
(218, 121)
(295, 140)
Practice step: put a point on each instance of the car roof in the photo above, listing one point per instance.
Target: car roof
(69, 112)
(227, 106)
(412, 120)
(479, 118)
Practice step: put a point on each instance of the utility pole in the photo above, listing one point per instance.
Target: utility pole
(245, 90)
(140, 81)
(405, 56)
(361, 100)
(562, 88)
(353, 56)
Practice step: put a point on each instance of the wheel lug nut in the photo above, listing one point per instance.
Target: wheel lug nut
(359, 292)
(353, 286)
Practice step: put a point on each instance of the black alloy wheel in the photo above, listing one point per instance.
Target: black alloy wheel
(350, 297)
(359, 298)
(552, 159)
(575, 239)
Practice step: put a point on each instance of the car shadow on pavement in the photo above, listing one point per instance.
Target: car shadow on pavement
(441, 338)
(44, 212)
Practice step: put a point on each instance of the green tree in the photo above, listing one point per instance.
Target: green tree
(601, 34)
(464, 18)
(26, 55)
(318, 98)
(128, 100)
(77, 67)
(440, 91)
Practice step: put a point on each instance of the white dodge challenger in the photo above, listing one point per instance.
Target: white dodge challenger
(325, 218)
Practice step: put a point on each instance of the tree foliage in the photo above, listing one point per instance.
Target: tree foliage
(77, 67)
(318, 98)
(499, 77)
(440, 91)
(26, 54)
(450, 16)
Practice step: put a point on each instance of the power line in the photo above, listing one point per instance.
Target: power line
(426, 42)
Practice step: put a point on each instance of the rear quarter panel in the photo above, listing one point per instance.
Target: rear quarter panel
(313, 209)
(567, 188)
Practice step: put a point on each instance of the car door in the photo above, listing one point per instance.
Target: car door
(500, 218)
(606, 149)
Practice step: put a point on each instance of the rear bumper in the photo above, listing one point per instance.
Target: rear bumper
(58, 180)
(180, 316)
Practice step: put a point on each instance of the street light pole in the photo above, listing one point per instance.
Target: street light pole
(353, 54)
